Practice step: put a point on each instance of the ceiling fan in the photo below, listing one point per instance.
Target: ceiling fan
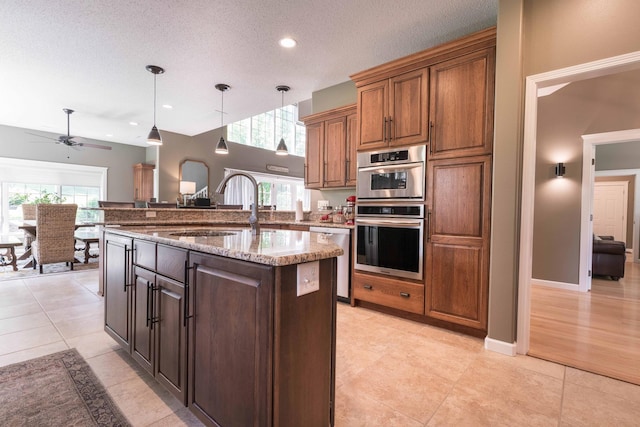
(69, 140)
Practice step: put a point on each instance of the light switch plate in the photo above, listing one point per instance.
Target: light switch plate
(151, 214)
(308, 278)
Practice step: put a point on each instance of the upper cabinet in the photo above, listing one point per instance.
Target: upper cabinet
(330, 148)
(441, 96)
(394, 111)
(461, 108)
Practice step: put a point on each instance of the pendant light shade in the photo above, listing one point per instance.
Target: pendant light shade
(282, 150)
(221, 147)
(154, 137)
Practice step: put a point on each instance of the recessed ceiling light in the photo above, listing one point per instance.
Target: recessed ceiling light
(109, 135)
(288, 42)
(133, 123)
(167, 106)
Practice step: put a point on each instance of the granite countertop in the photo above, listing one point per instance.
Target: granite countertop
(270, 247)
(216, 223)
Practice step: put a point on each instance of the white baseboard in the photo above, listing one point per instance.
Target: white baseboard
(508, 349)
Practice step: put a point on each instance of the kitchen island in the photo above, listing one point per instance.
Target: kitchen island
(240, 328)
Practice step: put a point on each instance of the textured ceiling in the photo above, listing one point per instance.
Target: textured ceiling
(90, 56)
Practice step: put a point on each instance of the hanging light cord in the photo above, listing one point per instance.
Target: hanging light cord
(154, 98)
(222, 108)
(282, 115)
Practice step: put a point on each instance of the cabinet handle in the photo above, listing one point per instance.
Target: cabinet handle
(324, 173)
(390, 130)
(149, 296)
(384, 130)
(428, 225)
(346, 170)
(154, 319)
(185, 306)
(405, 294)
(368, 287)
(430, 133)
(127, 273)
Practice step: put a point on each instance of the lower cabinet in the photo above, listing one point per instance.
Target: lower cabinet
(401, 295)
(117, 288)
(259, 354)
(160, 329)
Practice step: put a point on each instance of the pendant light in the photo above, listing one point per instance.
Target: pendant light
(282, 147)
(221, 147)
(154, 137)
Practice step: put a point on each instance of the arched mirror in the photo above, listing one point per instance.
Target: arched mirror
(196, 171)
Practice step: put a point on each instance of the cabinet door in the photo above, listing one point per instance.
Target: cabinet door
(170, 332)
(142, 317)
(461, 112)
(314, 156)
(335, 152)
(352, 149)
(458, 240)
(408, 123)
(143, 182)
(230, 339)
(373, 112)
(117, 285)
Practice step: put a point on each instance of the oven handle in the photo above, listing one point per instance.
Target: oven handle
(391, 222)
(396, 166)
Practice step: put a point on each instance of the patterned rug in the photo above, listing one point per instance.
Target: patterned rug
(59, 389)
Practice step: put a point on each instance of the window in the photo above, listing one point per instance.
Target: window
(266, 129)
(273, 190)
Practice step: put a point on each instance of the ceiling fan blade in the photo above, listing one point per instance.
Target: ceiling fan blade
(83, 144)
(41, 136)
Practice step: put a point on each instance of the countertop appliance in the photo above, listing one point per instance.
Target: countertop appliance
(397, 174)
(342, 238)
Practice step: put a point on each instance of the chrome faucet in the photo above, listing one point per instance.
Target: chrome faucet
(253, 219)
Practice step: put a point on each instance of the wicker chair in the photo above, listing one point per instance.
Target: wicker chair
(28, 213)
(55, 227)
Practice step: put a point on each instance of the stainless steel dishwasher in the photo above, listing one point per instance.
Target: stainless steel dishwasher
(342, 238)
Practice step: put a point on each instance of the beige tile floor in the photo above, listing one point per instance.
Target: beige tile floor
(390, 372)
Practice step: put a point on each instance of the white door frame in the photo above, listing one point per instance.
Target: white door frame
(617, 64)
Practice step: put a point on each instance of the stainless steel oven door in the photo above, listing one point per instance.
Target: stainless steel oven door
(399, 181)
(390, 246)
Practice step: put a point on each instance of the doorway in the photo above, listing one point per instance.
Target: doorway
(533, 85)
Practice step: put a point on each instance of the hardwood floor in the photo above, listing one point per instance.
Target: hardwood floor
(597, 331)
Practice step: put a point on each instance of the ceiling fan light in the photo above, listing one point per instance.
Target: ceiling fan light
(282, 149)
(221, 147)
(154, 137)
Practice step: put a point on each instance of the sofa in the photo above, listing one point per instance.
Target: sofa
(608, 257)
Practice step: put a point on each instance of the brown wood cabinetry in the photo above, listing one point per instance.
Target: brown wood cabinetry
(143, 182)
(330, 157)
(393, 112)
(402, 295)
(352, 150)
(462, 99)
(454, 117)
(457, 262)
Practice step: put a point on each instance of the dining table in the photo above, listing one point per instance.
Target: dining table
(30, 226)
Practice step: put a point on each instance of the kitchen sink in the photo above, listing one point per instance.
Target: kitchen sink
(204, 233)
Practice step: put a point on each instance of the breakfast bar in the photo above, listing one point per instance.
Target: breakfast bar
(239, 327)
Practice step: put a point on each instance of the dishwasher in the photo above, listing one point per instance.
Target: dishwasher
(342, 238)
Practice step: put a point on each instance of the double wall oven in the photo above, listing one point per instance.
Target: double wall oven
(390, 220)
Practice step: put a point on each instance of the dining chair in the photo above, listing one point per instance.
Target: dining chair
(28, 214)
(55, 241)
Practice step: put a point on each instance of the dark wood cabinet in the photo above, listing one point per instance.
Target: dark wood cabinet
(252, 359)
(117, 288)
(330, 158)
(457, 247)
(462, 100)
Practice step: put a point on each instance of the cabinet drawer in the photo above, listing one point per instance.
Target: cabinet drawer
(172, 262)
(144, 254)
(392, 293)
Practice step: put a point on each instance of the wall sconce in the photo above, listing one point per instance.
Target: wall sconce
(186, 188)
(560, 170)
